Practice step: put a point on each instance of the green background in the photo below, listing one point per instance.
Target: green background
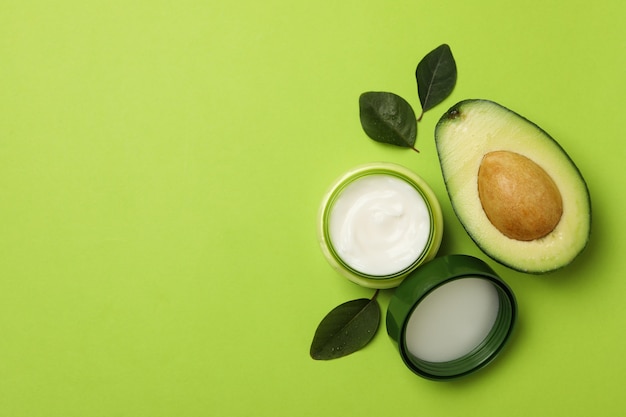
(161, 167)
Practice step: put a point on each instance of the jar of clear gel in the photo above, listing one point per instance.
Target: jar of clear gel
(451, 317)
(378, 222)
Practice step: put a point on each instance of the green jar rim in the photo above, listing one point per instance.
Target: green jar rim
(430, 276)
(411, 178)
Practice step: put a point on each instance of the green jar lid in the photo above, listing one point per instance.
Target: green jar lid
(451, 317)
(415, 190)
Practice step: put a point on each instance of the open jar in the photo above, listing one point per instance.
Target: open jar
(378, 222)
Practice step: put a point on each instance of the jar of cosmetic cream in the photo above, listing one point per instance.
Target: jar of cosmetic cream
(378, 222)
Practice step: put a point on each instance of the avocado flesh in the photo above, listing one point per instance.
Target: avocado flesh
(473, 128)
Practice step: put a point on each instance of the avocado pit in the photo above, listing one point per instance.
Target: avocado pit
(518, 196)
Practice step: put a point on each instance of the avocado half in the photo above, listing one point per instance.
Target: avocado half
(516, 192)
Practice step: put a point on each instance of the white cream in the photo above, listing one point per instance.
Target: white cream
(379, 224)
(452, 320)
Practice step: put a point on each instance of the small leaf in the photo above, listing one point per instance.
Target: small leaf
(436, 77)
(388, 118)
(346, 329)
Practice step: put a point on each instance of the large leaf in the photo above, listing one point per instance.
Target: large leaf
(346, 329)
(388, 118)
(436, 77)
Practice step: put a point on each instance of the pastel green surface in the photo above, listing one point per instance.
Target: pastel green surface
(161, 167)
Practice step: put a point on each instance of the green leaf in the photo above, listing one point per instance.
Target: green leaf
(436, 77)
(388, 118)
(346, 329)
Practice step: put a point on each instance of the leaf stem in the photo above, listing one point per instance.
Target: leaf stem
(375, 295)
(415, 149)
(419, 118)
